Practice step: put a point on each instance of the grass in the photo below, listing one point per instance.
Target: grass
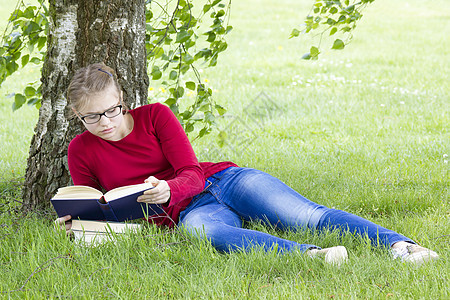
(364, 130)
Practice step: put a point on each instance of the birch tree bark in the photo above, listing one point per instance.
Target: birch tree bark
(81, 33)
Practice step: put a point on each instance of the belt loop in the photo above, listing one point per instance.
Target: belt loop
(209, 184)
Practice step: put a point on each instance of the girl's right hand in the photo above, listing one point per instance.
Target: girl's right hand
(63, 224)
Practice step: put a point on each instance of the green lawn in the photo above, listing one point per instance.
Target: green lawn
(364, 129)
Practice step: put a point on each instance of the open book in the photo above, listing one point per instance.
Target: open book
(97, 232)
(119, 204)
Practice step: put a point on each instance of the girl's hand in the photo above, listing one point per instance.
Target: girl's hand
(62, 224)
(158, 195)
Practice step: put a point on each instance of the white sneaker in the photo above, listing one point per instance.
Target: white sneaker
(413, 253)
(334, 255)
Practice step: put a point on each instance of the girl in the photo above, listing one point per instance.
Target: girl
(123, 147)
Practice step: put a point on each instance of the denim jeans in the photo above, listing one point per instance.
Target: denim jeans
(237, 194)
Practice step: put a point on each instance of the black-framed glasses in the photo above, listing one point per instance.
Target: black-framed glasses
(110, 113)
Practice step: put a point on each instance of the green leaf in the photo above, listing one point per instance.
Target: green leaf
(209, 117)
(220, 109)
(182, 36)
(19, 100)
(156, 73)
(31, 27)
(206, 8)
(16, 55)
(211, 36)
(222, 46)
(338, 45)
(15, 15)
(148, 15)
(29, 12)
(306, 56)
(184, 68)
(36, 60)
(349, 9)
(220, 13)
(333, 30)
(190, 85)
(156, 52)
(204, 108)
(314, 52)
(341, 19)
(295, 32)
(203, 132)
(29, 91)
(179, 92)
(186, 114)
(170, 101)
(187, 58)
(173, 75)
(41, 42)
(25, 60)
(189, 127)
(11, 67)
(34, 101)
(215, 2)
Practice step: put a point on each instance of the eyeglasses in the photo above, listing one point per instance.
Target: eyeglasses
(110, 113)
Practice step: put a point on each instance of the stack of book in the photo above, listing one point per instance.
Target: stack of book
(98, 232)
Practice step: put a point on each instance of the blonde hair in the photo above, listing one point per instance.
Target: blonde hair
(92, 79)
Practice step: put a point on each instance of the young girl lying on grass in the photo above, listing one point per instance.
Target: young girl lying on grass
(124, 147)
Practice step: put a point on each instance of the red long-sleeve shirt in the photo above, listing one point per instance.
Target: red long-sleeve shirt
(157, 146)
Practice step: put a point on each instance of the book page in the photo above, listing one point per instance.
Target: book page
(104, 227)
(120, 192)
(77, 192)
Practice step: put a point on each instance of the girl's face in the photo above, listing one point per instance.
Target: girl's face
(112, 128)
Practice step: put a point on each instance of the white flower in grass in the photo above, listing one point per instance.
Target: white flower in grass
(402, 102)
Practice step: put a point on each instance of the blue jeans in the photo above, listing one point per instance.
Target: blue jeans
(236, 194)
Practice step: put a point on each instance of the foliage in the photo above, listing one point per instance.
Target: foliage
(173, 35)
(332, 16)
(24, 41)
(172, 43)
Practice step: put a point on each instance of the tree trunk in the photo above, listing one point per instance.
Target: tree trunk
(81, 33)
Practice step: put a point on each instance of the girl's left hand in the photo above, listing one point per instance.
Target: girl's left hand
(158, 195)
